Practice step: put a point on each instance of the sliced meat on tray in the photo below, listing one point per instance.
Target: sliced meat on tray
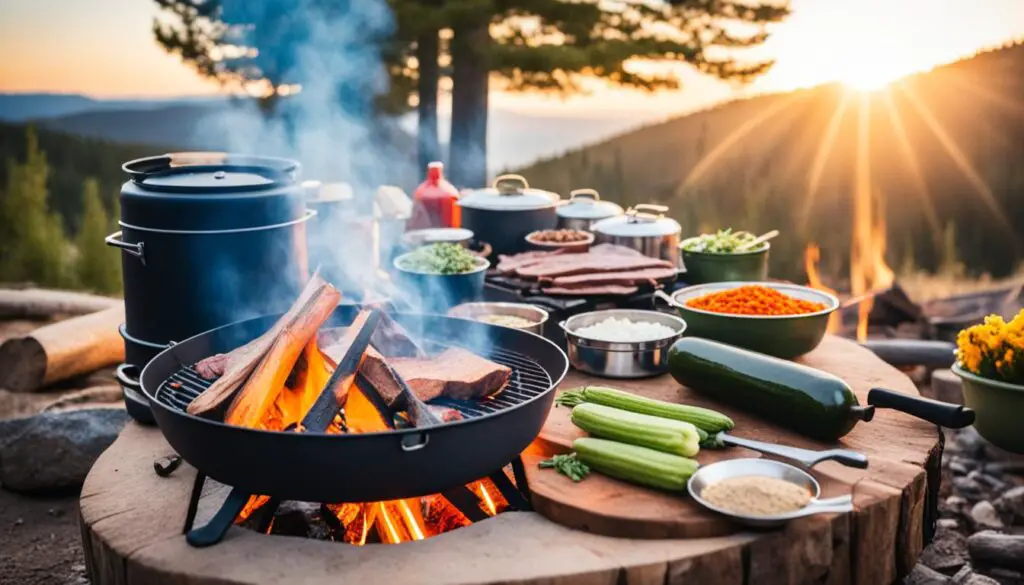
(627, 277)
(589, 263)
(597, 289)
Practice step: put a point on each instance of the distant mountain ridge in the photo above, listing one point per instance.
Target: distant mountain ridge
(26, 107)
(944, 156)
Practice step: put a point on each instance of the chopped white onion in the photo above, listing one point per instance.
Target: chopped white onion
(624, 330)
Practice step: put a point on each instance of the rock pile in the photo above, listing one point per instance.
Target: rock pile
(980, 534)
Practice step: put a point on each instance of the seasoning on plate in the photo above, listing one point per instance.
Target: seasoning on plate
(514, 321)
(756, 495)
(754, 300)
(624, 330)
(440, 259)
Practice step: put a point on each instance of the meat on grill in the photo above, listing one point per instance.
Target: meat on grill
(589, 263)
(453, 373)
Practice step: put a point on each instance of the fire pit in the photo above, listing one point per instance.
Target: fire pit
(133, 519)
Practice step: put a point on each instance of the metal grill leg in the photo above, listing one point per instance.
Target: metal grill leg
(515, 498)
(193, 501)
(519, 474)
(466, 502)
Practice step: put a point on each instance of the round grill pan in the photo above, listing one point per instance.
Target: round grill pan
(367, 466)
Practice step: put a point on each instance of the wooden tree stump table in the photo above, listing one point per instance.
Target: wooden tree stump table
(132, 523)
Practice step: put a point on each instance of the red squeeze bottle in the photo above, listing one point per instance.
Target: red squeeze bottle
(435, 201)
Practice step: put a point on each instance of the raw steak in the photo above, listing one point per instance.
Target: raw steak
(590, 263)
(600, 289)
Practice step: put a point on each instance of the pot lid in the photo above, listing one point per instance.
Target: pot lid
(587, 204)
(508, 193)
(211, 191)
(641, 220)
(203, 173)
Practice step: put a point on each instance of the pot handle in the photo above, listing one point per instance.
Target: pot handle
(121, 373)
(647, 210)
(138, 250)
(660, 294)
(519, 180)
(945, 414)
(584, 194)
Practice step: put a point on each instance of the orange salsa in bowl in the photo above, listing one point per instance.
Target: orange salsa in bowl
(754, 300)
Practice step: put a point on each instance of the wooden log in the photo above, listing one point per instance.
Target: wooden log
(36, 303)
(997, 550)
(56, 352)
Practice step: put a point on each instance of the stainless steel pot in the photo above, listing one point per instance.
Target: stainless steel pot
(585, 208)
(610, 359)
(645, 229)
(476, 311)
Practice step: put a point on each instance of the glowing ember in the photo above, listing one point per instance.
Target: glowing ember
(387, 522)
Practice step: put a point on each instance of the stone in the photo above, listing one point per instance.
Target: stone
(967, 576)
(922, 575)
(54, 450)
(968, 488)
(1006, 467)
(1005, 576)
(983, 479)
(957, 466)
(304, 519)
(946, 387)
(984, 516)
(1011, 503)
(947, 524)
(947, 552)
(994, 549)
(969, 443)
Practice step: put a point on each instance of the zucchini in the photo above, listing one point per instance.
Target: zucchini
(702, 418)
(797, 397)
(635, 464)
(671, 436)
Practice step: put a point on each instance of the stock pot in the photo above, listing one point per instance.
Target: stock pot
(206, 239)
(503, 214)
(645, 229)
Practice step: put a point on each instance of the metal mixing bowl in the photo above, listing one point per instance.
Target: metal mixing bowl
(610, 359)
(475, 311)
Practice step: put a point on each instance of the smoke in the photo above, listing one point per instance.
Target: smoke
(331, 49)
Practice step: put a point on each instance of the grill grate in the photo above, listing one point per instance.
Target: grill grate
(528, 380)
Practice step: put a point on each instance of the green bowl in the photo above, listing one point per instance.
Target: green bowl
(784, 336)
(997, 409)
(704, 267)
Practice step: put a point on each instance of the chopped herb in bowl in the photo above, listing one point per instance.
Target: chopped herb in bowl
(440, 259)
(722, 242)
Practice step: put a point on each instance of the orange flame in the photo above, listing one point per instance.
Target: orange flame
(812, 256)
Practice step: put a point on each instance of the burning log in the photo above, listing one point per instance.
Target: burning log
(60, 351)
(235, 367)
(261, 389)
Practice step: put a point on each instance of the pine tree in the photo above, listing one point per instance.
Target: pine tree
(32, 238)
(526, 45)
(97, 264)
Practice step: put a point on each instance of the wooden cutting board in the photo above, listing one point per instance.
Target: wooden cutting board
(611, 507)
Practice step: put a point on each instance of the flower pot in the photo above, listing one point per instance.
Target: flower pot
(998, 407)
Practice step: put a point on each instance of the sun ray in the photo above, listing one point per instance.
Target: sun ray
(751, 124)
(1016, 108)
(921, 187)
(821, 155)
(958, 158)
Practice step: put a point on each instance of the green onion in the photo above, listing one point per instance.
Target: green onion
(568, 466)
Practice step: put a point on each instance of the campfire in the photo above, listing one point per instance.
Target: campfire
(299, 378)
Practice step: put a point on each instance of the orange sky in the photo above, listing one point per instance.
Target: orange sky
(105, 48)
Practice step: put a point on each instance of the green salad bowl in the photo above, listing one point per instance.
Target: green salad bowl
(705, 267)
(997, 409)
(784, 336)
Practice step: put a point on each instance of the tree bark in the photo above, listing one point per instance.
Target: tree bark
(427, 47)
(470, 85)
